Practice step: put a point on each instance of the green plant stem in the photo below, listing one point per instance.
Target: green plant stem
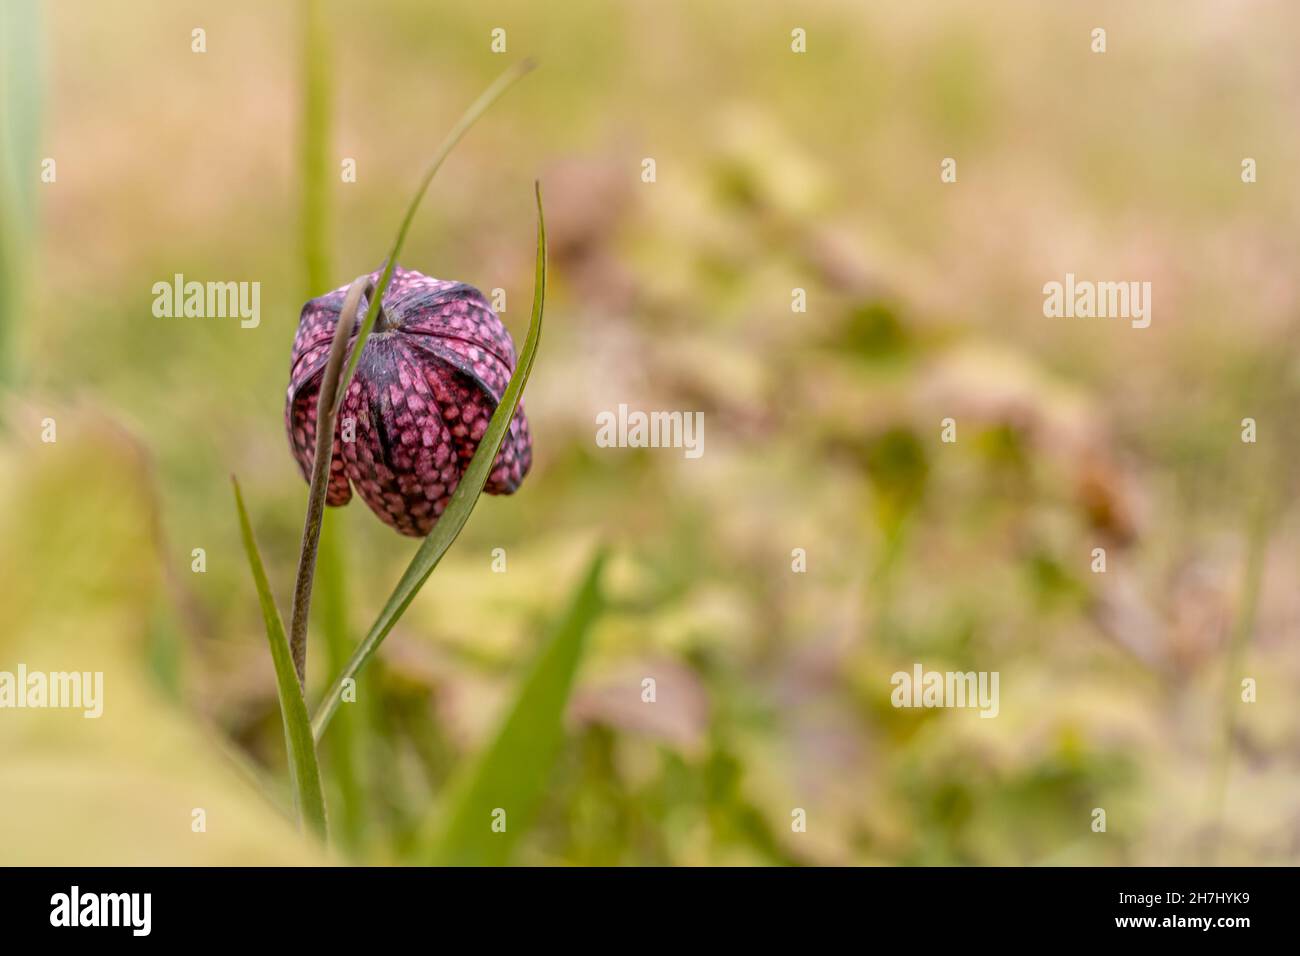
(346, 757)
(326, 413)
(462, 500)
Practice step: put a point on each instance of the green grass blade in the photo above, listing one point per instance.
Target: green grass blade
(303, 770)
(512, 773)
(21, 85)
(462, 500)
(468, 119)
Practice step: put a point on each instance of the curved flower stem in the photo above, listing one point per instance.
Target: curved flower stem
(335, 382)
(327, 407)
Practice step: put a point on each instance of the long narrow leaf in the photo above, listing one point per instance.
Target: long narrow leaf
(303, 769)
(468, 119)
(493, 804)
(21, 92)
(462, 500)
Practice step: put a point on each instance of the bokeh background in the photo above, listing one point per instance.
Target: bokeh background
(774, 171)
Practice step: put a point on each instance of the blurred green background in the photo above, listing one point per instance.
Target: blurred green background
(775, 171)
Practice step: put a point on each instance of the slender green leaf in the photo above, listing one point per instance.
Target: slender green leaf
(21, 87)
(462, 500)
(303, 770)
(511, 775)
(468, 119)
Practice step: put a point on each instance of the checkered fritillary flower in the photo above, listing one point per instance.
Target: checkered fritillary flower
(433, 370)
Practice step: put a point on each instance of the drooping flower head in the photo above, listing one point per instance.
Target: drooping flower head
(432, 372)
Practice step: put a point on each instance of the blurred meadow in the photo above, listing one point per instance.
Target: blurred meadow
(774, 171)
